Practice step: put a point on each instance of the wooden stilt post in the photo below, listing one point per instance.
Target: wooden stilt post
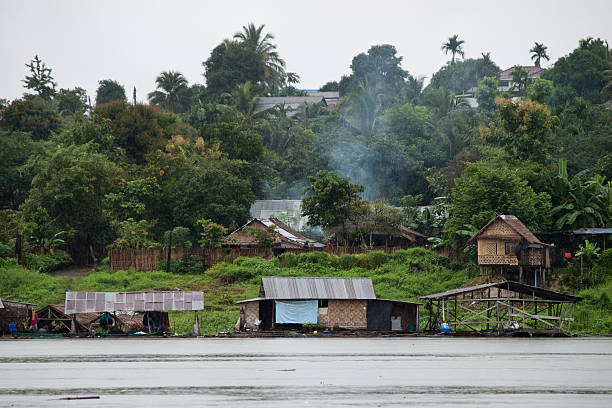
(73, 324)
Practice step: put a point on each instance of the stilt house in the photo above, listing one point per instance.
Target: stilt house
(343, 303)
(507, 247)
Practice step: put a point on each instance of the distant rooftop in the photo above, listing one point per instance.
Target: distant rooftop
(532, 72)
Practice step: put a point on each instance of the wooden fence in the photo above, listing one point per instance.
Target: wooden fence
(149, 259)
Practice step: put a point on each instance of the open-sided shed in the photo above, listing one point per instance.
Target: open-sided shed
(346, 303)
(500, 307)
(154, 301)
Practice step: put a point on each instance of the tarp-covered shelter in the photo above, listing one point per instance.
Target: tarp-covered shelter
(14, 312)
(504, 306)
(505, 244)
(345, 303)
(148, 302)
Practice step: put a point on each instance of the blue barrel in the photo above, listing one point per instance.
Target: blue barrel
(445, 328)
(12, 327)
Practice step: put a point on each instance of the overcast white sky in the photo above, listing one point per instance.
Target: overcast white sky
(133, 41)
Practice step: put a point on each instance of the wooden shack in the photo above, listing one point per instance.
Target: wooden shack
(339, 303)
(504, 307)
(14, 312)
(506, 247)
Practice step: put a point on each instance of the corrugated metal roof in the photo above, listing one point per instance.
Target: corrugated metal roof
(593, 231)
(281, 287)
(508, 285)
(288, 210)
(92, 302)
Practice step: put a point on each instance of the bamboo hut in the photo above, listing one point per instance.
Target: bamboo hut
(507, 247)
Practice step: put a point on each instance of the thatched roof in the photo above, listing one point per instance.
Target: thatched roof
(515, 224)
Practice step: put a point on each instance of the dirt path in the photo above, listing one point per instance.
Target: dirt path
(73, 272)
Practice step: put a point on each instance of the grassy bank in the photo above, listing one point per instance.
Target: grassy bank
(403, 275)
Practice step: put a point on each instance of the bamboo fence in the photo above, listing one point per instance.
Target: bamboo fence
(149, 259)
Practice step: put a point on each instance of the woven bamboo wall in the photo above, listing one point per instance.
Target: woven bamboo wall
(348, 314)
(500, 229)
(497, 251)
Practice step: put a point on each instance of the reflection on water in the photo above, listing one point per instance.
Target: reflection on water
(308, 371)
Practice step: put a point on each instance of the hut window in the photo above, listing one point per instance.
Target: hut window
(322, 302)
(508, 249)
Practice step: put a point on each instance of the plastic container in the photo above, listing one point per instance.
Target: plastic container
(445, 328)
(12, 327)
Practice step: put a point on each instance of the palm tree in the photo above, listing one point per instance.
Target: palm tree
(253, 38)
(455, 46)
(414, 88)
(245, 100)
(172, 92)
(538, 52)
(486, 58)
(364, 105)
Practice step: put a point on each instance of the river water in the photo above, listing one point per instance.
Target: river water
(305, 372)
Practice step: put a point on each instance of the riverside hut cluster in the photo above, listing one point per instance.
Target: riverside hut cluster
(515, 304)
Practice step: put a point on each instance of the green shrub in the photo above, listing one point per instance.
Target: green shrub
(346, 262)
(6, 250)
(190, 265)
(605, 259)
(287, 260)
(372, 260)
(48, 262)
(316, 257)
(229, 274)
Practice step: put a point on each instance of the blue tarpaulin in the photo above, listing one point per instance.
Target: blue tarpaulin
(297, 311)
